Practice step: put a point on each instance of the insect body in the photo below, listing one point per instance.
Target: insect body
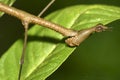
(83, 34)
(74, 37)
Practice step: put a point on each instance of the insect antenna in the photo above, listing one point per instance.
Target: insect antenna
(48, 5)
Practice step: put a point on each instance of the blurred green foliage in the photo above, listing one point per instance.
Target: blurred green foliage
(96, 59)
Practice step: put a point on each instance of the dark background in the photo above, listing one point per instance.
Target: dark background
(97, 58)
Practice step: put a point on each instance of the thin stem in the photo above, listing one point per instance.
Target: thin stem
(24, 49)
(24, 16)
(48, 5)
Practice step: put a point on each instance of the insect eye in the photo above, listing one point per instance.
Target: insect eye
(100, 28)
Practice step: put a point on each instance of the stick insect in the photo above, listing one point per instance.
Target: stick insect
(74, 38)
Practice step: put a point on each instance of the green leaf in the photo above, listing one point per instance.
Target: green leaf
(46, 49)
(9, 2)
